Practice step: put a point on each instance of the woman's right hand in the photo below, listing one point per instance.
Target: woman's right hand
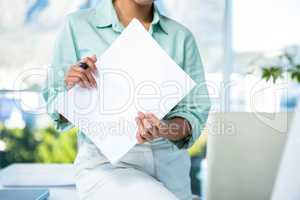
(83, 77)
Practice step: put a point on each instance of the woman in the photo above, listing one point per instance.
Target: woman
(158, 167)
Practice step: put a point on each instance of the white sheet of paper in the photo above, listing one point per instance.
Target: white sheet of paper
(135, 74)
(287, 184)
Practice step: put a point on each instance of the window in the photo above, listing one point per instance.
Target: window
(262, 30)
(205, 19)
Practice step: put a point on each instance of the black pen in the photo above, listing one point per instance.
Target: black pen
(83, 65)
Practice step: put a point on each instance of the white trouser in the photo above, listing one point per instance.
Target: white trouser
(144, 173)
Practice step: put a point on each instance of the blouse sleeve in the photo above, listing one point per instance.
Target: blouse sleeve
(64, 56)
(196, 105)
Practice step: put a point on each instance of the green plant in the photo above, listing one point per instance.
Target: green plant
(37, 145)
(56, 147)
(20, 145)
(275, 72)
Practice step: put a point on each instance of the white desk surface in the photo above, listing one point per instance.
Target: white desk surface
(56, 193)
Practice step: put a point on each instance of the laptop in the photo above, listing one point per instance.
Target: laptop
(24, 194)
(287, 185)
(243, 154)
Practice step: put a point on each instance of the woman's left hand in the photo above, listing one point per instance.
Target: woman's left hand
(150, 127)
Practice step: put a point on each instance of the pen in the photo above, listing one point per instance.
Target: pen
(83, 65)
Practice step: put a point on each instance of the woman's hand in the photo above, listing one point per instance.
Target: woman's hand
(83, 77)
(150, 127)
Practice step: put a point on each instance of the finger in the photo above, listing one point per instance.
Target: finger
(153, 120)
(144, 133)
(141, 115)
(147, 135)
(71, 81)
(78, 69)
(77, 72)
(91, 78)
(71, 69)
(84, 84)
(153, 130)
(90, 63)
(140, 139)
(147, 124)
(93, 58)
(159, 128)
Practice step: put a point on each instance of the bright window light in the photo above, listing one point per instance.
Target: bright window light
(265, 25)
(2, 145)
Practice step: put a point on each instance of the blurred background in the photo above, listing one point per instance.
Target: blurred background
(250, 50)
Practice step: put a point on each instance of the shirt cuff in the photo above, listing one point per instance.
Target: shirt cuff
(196, 126)
(60, 124)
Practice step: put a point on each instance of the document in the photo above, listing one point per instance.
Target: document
(135, 74)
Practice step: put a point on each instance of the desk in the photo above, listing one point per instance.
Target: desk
(56, 192)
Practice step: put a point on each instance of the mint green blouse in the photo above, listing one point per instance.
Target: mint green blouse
(91, 31)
